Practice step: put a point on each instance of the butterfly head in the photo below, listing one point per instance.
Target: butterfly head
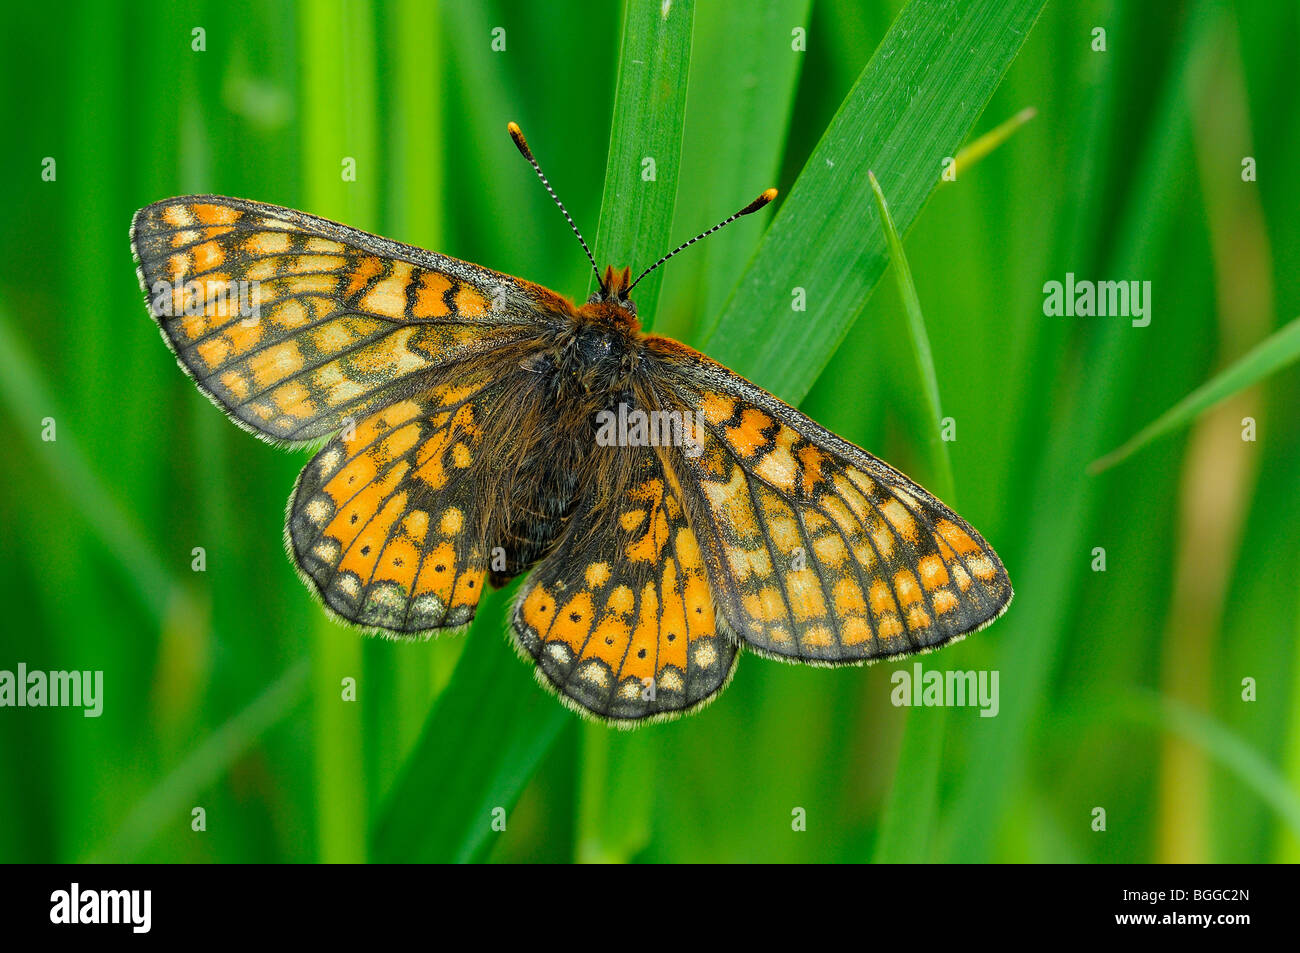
(614, 291)
(609, 308)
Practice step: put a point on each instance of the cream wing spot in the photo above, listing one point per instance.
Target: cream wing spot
(318, 511)
(452, 521)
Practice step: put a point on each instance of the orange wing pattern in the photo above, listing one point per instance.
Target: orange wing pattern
(294, 325)
(619, 617)
(817, 550)
(386, 523)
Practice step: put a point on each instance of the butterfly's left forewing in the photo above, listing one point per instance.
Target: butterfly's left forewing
(817, 550)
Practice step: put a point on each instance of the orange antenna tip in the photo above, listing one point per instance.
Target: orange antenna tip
(758, 203)
(517, 135)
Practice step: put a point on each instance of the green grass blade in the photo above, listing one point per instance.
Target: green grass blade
(914, 103)
(616, 794)
(908, 820)
(909, 815)
(733, 140)
(403, 682)
(735, 136)
(1287, 849)
(971, 153)
(1272, 354)
(940, 461)
(636, 218)
(339, 120)
(645, 142)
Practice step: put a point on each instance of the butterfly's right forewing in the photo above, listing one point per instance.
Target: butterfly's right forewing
(819, 551)
(295, 325)
(386, 521)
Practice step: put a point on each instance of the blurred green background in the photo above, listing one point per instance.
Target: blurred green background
(1120, 689)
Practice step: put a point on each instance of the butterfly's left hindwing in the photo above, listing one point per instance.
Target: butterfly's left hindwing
(818, 551)
(295, 325)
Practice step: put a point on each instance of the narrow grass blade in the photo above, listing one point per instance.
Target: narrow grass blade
(909, 814)
(616, 794)
(940, 461)
(645, 144)
(1288, 847)
(908, 820)
(339, 122)
(969, 154)
(636, 219)
(1272, 354)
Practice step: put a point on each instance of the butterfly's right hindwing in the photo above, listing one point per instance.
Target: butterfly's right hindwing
(386, 523)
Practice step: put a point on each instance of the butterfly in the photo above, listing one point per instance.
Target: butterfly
(473, 426)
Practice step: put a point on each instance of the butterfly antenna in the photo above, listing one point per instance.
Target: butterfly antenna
(522, 145)
(753, 206)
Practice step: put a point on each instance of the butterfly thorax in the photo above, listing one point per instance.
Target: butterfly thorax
(597, 350)
(594, 358)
